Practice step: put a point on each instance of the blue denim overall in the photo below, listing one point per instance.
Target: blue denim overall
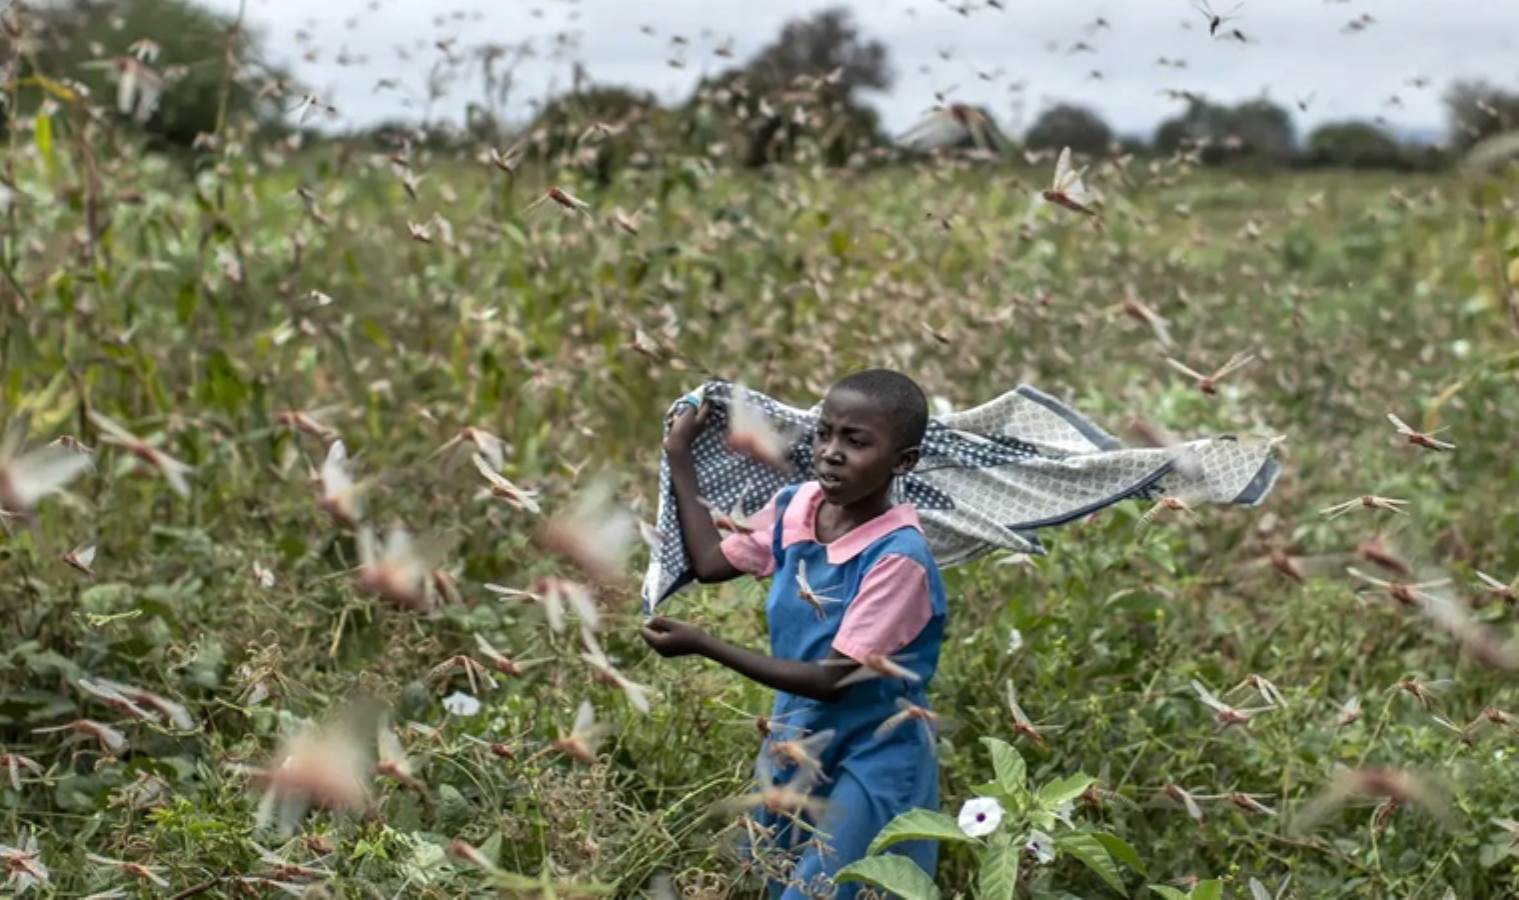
(869, 779)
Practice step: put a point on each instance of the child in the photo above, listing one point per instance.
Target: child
(854, 589)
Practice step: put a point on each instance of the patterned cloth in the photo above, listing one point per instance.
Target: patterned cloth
(989, 476)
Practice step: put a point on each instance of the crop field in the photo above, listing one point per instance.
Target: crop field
(201, 304)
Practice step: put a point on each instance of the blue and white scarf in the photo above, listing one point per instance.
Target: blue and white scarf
(988, 478)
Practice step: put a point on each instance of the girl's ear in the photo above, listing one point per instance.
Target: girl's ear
(907, 460)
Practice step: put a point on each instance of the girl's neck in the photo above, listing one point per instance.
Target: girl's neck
(834, 521)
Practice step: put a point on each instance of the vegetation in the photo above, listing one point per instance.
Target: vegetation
(244, 312)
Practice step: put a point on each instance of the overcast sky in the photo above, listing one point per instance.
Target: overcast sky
(1298, 50)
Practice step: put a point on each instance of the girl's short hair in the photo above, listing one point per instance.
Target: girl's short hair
(901, 400)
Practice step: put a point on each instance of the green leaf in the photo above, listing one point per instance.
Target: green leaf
(918, 825)
(42, 131)
(1063, 789)
(1121, 850)
(890, 872)
(1012, 775)
(1170, 893)
(1212, 889)
(999, 873)
(1087, 849)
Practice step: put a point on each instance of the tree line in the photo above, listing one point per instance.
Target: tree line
(797, 98)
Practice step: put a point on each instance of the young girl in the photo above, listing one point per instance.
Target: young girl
(856, 613)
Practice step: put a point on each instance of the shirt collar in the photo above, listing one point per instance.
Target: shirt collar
(800, 524)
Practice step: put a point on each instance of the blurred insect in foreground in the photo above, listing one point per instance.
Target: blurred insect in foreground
(28, 477)
(471, 441)
(1350, 711)
(326, 767)
(310, 422)
(733, 521)
(907, 711)
(1208, 384)
(136, 870)
(793, 798)
(23, 865)
(809, 596)
(605, 672)
(947, 126)
(392, 761)
(805, 753)
(506, 665)
(1425, 439)
(584, 737)
(563, 199)
(1067, 189)
(1365, 501)
(1215, 20)
(502, 487)
(1025, 726)
(14, 763)
(555, 594)
(81, 558)
(146, 450)
(1504, 591)
(398, 572)
(1184, 798)
(751, 434)
(1223, 713)
(595, 534)
(1399, 787)
(875, 665)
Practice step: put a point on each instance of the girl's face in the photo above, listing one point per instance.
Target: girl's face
(854, 451)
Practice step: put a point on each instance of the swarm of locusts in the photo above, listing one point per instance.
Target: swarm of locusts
(328, 470)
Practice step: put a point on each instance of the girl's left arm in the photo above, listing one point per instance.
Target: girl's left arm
(814, 680)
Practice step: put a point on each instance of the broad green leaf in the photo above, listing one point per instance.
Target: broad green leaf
(1212, 889)
(1166, 891)
(1087, 849)
(1121, 850)
(890, 872)
(1012, 775)
(918, 825)
(1063, 789)
(999, 873)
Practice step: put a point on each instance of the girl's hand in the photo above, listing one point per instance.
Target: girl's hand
(685, 423)
(672, 637)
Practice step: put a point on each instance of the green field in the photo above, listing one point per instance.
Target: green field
(179, 302)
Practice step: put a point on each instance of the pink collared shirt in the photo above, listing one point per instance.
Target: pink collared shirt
(893, 603)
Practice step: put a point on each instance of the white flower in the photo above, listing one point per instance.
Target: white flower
(980, 816)
(1014, 641)
(1063, 813)
(1041, 845)
(461, 704)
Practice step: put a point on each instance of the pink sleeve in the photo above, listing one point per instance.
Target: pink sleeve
(751, 552)
(892, 606)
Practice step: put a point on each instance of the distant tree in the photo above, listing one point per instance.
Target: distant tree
(1477, 110)
(1068, 125)
(1255, 128)
(1355, 144)
(596, 128)
(80, 40)
(801, 86)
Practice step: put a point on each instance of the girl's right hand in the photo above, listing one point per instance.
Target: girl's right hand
(672, 637)
(685, 424)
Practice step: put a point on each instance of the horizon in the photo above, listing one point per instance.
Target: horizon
(1300, 53)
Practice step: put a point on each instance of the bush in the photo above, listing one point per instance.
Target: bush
(1256, 128)
(1358, 145)
(1069, 125)
(1477, 110)
(193, 42)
